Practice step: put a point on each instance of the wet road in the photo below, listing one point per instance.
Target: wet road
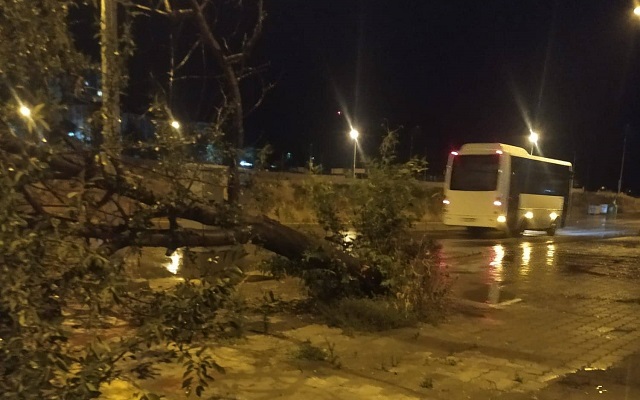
(496, 270)
(567, 303)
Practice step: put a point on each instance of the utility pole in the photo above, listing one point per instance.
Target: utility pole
(624, 151)
(110, 78)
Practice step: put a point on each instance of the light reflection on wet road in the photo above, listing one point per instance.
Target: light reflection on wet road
(494, 269)
(570, 302)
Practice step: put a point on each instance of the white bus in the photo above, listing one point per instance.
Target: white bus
(497, 186)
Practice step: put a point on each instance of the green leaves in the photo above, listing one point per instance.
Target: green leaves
(372, 220)
(196, 366)
(36, 44)
(43, 269)
(58, 289)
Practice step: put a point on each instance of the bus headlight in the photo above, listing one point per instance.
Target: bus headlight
(528, 215)
(553, 216)
(502, 219)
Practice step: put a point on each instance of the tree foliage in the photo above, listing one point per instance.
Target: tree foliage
(72, 319)
(376, 228)
(58, 290)
(48, 275)
(39, 63)
(36, 35)
(67, 212)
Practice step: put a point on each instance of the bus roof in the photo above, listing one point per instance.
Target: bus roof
(490, 148)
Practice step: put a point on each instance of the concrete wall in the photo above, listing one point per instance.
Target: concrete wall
(284, 196)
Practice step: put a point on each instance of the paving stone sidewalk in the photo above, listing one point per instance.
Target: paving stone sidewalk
(560, 323)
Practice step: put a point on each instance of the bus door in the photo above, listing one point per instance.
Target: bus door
(517, 176)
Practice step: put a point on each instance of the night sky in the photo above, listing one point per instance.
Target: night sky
(446, 72)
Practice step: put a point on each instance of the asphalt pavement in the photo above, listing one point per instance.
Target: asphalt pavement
(594, 226)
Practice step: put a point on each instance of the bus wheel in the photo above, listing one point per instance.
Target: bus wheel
(516, 230)
(551, 231)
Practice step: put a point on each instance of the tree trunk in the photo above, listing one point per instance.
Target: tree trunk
(237, 135)
(232, 91)
(261, 231)
(110, 109)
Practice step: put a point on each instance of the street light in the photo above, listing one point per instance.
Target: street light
(354, 135)
(25, 111)
(175, 124)
(533, 138)
(636, 12)
(624, 151)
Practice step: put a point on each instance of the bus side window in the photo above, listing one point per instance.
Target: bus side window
(535, 177)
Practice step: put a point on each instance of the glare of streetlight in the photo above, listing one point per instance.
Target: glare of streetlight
(533, 138)
(354, 134)
(175, 124)
(25, 111)
(636, 11)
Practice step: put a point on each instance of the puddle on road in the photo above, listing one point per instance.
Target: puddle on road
(505, 267)
(153, 263)
(490, 294)
(506, 271)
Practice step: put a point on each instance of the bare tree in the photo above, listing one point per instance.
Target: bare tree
(229, 32)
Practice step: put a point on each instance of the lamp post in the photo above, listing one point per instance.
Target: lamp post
(354, 135)
(533, 138)
(636, 12)
(175, 124)
(624, 151)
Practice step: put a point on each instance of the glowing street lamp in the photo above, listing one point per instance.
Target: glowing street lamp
(175, 124)
(533, 138)
(25, 111)
(636, 11)
(354, 135)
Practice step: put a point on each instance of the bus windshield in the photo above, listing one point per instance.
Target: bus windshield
(475, 172)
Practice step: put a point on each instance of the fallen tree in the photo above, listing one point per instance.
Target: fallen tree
(66, 193)
(114, 186)
(67, 207)
(118, 183)
(59, 197)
